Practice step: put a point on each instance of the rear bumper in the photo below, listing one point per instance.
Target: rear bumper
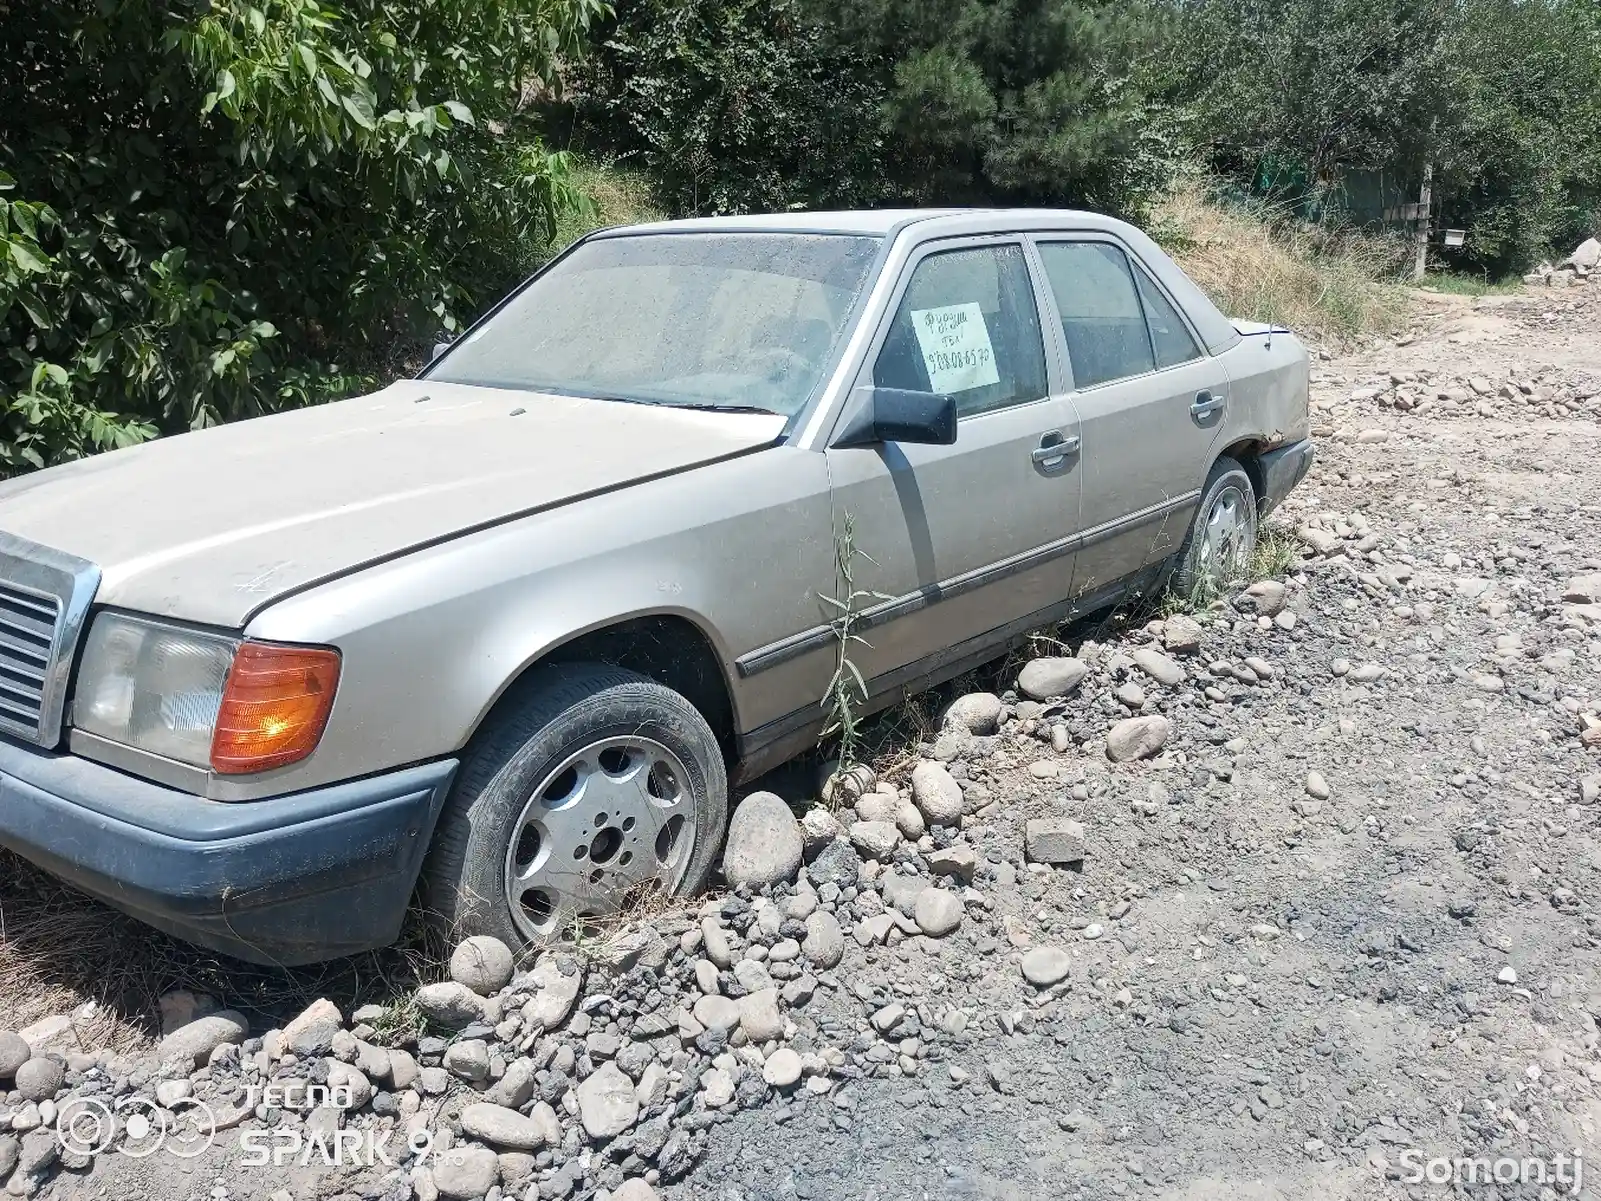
(1282, 470)
(287, 880)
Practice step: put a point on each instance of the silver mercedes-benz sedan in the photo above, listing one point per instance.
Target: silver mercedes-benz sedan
(510, 629)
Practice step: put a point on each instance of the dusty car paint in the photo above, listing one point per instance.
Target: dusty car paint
(445, 545)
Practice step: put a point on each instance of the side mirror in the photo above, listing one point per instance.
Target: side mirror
(439, 349)
(899, 415)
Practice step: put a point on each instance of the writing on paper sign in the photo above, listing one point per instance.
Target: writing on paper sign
(956, 347)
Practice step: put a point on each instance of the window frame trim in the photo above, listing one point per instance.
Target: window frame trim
(1057, 378)
(1038, 239)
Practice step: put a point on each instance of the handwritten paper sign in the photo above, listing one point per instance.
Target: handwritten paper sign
(956, 347)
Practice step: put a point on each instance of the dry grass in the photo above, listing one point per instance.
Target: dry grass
(1258, 263)
(617, 197)
(60, 950)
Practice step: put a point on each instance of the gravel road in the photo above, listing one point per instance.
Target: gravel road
(1291, 898)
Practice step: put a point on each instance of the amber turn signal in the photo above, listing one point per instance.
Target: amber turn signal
(274, 706)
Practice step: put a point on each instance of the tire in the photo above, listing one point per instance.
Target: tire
(602, 746)
(1202, 565)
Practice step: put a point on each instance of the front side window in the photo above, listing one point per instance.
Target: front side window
(967, 326)
(1102, 319)
(738, 320)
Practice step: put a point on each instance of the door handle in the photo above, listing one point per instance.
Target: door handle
(1206, 402)
(1054, 447)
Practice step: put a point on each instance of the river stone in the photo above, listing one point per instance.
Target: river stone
(819, 827)
(1181, 635)
(782, 1069)
(1045, 966)
(200, 1037)
(39, 1078)
(1054, 840)
(717, 1012)
(14, 1052)
(764, 842)
(482, 963)
(937, 794)
(465, 1173)
(759, 1017)
(938, 912)
(877, 840)
(977, 713)
(1158, 666)
(559, 979)
(1136, 738)
(468, 1059)
(606, 1102)
(824, 944)
(877, 807)
(312, 1031)
(1042, 679)
(502, 1127)
(633, 1190)
(450, 1004)
(836, 864)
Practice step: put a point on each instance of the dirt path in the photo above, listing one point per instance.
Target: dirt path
(1297, 991)
(1341, 926)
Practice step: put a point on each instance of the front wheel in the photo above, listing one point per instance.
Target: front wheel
(1222, 538)
(589, 788)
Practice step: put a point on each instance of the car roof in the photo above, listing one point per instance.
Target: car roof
(869, 222)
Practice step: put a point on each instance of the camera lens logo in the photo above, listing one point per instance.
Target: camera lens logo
(136, 1127)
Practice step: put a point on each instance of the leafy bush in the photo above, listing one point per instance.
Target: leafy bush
(735, 106)
(214, 208)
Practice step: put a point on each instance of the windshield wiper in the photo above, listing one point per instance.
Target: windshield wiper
(726, 408)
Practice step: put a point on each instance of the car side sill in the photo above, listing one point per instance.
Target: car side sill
(785, 649)
(780, 739)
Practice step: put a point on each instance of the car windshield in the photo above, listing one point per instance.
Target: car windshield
(720, 321)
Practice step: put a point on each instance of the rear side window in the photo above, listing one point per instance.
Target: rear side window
(967, 326)
(1102, 319)
(1169, 336)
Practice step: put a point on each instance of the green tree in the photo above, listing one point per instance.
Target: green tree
(773, 104)
(735, 106)
(1015, 101)
(214, 208)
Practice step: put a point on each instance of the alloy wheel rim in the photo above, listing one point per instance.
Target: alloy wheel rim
(1223, 536)
(609, 823)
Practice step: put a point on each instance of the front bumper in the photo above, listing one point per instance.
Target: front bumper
(1282, 470)
(287, 880)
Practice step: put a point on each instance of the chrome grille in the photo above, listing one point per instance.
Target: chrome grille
(44, 603)
(28, 623)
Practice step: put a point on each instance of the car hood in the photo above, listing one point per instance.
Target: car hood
(212, 525)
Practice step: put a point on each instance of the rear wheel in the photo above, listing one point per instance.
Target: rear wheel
(1222, 538)
(588, 789)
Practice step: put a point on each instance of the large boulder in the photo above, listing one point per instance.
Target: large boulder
(1586, 255)
(764, 842)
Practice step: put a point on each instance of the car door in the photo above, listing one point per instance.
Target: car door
(959, 543)
(1150, 405)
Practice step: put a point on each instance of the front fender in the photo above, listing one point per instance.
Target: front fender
(741, 549)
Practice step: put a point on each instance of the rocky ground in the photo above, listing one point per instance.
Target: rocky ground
(1281, 899)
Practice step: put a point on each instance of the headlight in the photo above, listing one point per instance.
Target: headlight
(210, 700)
